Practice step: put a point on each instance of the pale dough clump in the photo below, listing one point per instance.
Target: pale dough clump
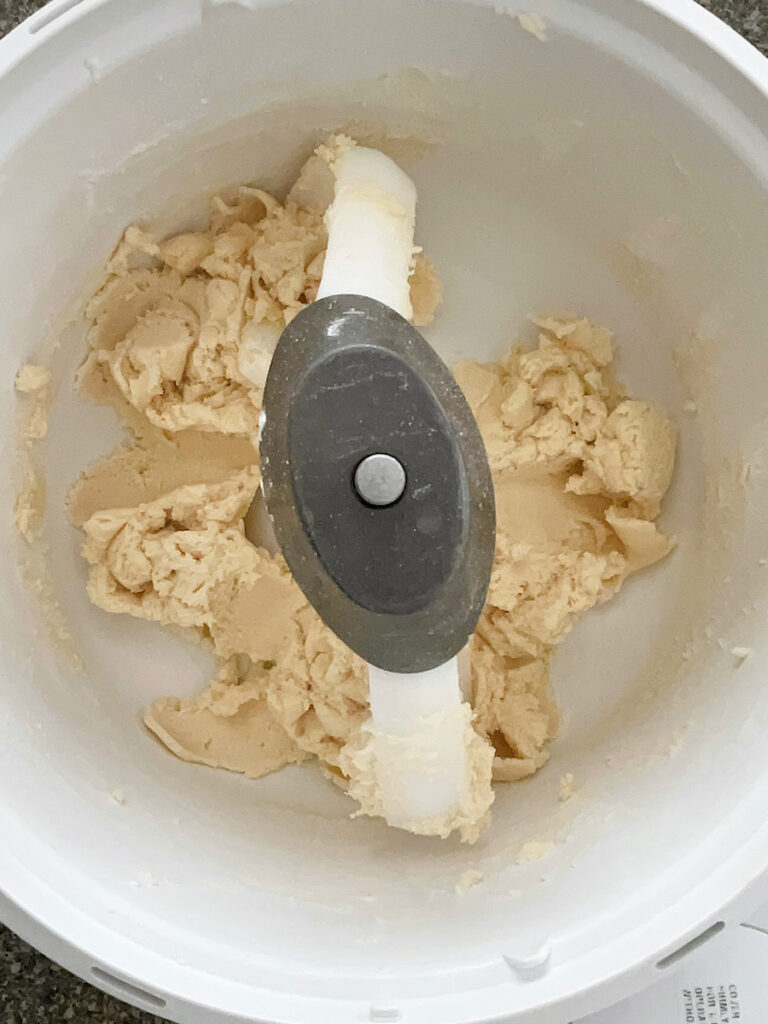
(181, 336)
(579, 473)
(185, 328)
(170, 334)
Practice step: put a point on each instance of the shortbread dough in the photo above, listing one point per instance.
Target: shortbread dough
(181, 334)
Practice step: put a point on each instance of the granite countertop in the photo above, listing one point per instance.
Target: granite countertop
(33, 990)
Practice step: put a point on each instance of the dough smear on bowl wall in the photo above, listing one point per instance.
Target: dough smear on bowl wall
(181, 335)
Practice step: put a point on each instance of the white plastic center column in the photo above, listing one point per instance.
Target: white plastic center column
(418, 723)
(418, 732)
(370, 230)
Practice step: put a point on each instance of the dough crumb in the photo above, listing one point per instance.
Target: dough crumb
(336, 147)
(741, 652)
(533, 850)
(118, 796)
(535, 25)
(32, 379)
(566, 787)
(29, 507)
(34, 382)
(468, 880)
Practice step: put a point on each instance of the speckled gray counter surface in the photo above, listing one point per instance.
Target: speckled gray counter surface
(32, 989)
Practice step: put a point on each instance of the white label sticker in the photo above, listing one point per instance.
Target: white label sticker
(725, 982)
(711, 1004)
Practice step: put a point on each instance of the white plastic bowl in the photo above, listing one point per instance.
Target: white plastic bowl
(619, 169)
